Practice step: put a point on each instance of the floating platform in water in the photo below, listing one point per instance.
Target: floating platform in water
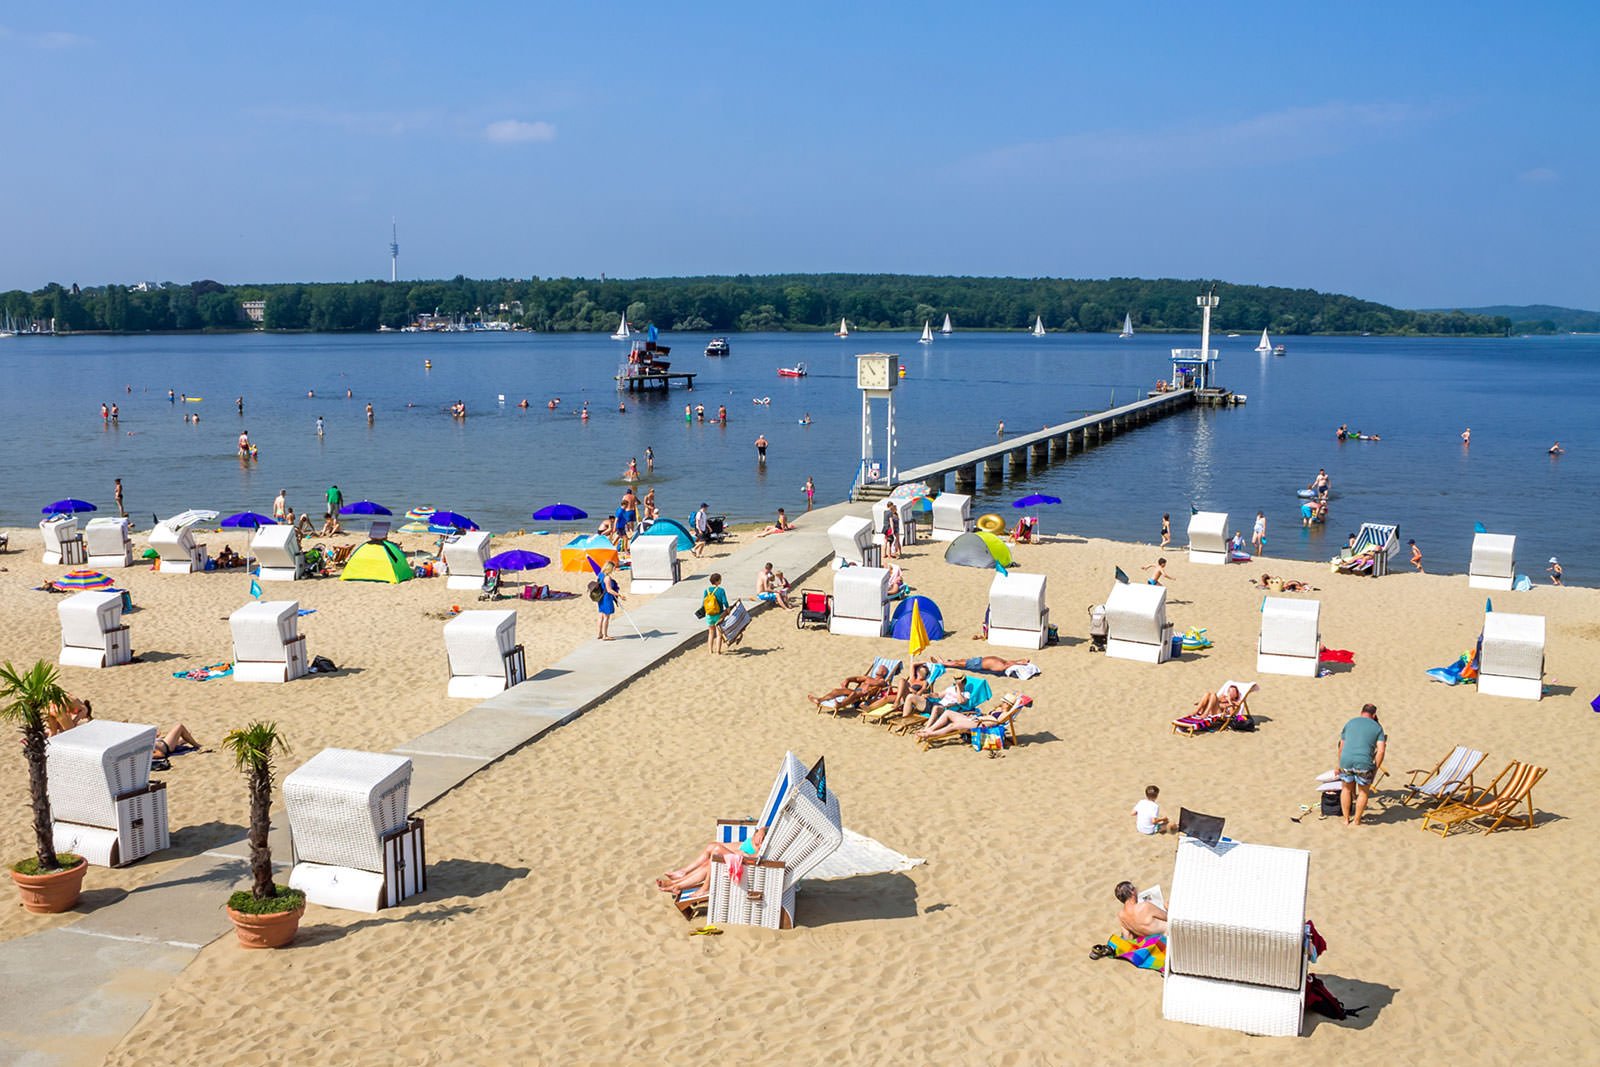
(653, 379)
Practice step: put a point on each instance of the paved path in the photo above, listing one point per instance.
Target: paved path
(118, 958)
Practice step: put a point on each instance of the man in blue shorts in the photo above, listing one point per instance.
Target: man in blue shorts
(1361, 747)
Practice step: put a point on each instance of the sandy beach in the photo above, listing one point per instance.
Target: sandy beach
(541, 938)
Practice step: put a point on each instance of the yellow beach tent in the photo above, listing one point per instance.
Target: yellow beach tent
(377, 561)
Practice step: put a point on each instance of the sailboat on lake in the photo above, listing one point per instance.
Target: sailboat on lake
(1266, 343)
(622, 330)
(844, 329)
(947, 329)
(927, 334)
(1038, 326)
(1127, 325)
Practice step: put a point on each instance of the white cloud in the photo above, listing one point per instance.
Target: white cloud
(1539, 176)
(516, 131)
(1271, 137)
(43, 39)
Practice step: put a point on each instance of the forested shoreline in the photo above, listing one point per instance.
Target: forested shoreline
(729, 304)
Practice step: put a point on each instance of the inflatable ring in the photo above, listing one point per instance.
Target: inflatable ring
(992, 523)
(761, 400)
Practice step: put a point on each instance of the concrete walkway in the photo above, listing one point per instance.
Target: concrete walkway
(120, 957)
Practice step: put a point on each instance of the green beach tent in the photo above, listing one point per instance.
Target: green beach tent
(377, 561)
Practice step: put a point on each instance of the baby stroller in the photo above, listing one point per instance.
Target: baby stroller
(491, 586)
(815, 606)
(1098, 630)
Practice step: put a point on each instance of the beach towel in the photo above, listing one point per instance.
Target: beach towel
(1147, 953)
(205, 674)
(1337, 655)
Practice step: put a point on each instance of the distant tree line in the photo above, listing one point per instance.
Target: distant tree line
(742, 303)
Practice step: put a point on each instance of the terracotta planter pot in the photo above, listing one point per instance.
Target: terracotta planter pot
(47, 894)
(266, 931)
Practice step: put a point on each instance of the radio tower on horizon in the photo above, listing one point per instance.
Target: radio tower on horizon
(394, 251)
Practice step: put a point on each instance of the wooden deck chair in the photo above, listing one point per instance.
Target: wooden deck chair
(340, 554)
(1000, 722)
(1192, 725)
(850, 700)
(1499, 801)
(1453, 775)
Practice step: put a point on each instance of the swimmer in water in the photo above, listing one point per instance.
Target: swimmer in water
(805, 420)
(311, 394)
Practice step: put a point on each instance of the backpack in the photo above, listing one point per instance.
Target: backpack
(1322, 1001)
(711, 605)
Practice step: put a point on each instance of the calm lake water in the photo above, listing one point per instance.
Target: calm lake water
(502, 462)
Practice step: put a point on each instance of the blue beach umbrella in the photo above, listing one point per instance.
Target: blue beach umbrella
(1033, 500)
(67, 507)
(560, 513)
(364, 507)
(450, 521)
(517, 559)
(249, 520)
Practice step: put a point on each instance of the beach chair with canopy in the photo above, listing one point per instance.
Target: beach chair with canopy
(803, 828)
(1450, 777)
(1381, 541)
(905, 515)
(860, 602)
(63, 543)
(1511, 657)
(1208, 537)
(1494, 561)
(351, 843)
(1501, 799)
(176, 545)
(952, 516)
(653, 564)
(483, 654)
(466, 557)
(1136, 623)
(267, 643)
(1291, 637)
(92, 631)
(108, 542)
(103, 805)
(1236, 955)
(277, 549)
(1019, 617)
(852, 540)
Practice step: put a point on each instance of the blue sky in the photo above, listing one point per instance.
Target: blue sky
(1423, 154)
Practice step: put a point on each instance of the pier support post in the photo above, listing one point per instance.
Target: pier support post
(1039, 453)
(967, 479)
(994, 468)
(1019, 461)
(1060, 446)
(935, 482)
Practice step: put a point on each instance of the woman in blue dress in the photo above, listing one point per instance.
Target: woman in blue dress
(610, 593)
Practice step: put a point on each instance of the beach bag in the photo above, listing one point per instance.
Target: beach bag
(1330, 804)
(595, 592)
(710, 605)
(1322, 1001)
(322, 665)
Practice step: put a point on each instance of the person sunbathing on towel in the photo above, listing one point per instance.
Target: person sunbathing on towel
(697, 873)
(176, 739)
(988, 664)
(1139, 918)
(856, 688)
(1287, 585)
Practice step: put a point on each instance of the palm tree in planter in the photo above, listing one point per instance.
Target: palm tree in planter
(48, 882)
(265, 915)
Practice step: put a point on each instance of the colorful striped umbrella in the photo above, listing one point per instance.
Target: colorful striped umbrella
(420, 514)
(84, 580)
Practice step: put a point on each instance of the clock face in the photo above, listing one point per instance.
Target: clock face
(872, 373)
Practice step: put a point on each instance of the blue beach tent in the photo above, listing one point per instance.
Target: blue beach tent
(932, 618)
(670, 528)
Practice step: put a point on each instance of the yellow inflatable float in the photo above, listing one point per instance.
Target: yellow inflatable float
(991, 523)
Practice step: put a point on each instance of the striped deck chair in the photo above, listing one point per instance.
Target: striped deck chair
(997, 728)
(1500, 800)
(1450, 777)
(838, 704)
(1201, 724)
(804, 828)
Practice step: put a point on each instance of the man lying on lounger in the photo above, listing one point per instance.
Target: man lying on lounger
(1016, 668)
(856, 689)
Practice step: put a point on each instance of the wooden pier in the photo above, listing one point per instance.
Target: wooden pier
(636, 382)
(1039, 448)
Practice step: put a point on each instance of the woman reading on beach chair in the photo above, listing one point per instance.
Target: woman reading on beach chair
(1227, 705)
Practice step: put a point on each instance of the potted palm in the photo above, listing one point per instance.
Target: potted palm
(49, 882)
(266, 915)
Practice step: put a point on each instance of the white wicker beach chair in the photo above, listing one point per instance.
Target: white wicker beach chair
(277, 549)
(92, 633)
(905, 515)
(353, 845)
(1291, 637)
(1136, 623)
(1019, 617)
(952, 516)
(63, 543)
(267, 643)
(801, 831)
(852, 541)
(860, 602)
(484, 656)
(465, 556)
(180, 553)
(654, 566)
(1494, 561)
(1512, 661)
(108, 542)
(103, 805)
(1208, 537)
(1236, 937)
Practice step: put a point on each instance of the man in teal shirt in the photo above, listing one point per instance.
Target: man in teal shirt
(1361, 746)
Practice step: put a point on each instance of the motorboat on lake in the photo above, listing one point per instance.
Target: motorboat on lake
(718, 347)
(796, 371)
